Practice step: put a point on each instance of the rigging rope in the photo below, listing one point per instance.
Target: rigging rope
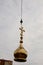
(21, 12)
(21, 8)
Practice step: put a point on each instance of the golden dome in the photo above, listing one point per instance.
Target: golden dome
(20, 54)
(20, 49)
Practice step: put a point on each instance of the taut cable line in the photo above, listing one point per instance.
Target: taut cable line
(21, 11)
(21, 8)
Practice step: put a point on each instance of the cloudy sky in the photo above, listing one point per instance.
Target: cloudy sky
(33, 25)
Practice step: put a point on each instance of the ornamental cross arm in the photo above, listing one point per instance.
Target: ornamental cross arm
(22, 30)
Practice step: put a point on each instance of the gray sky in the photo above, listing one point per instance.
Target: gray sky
(33, 25)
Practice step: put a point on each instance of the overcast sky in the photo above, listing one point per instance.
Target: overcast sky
(33, 25)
